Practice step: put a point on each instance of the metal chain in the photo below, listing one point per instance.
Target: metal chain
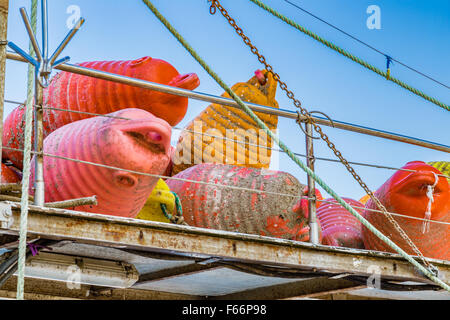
(215, 4)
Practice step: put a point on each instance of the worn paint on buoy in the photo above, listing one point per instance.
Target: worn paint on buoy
(217, 207)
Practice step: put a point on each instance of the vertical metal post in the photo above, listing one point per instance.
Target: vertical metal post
(39, 196)
(312, 218)
(3, 36)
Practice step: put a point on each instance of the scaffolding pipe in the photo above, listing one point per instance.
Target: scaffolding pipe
(3, 42)
(230, 102)
(312, 217)
(39, 195)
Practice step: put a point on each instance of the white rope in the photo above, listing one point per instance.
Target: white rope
(430, 191)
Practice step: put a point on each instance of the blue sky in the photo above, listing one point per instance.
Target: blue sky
(414, 32)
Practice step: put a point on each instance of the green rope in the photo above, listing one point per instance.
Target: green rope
(26, 162)
(262, 125)
(350, 56)
(178, 207)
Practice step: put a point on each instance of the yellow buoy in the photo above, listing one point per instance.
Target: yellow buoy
(442, 166)
(152, 209)
(211, 136)
(364, 199)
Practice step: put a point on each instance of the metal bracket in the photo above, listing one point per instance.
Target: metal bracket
(6, 216)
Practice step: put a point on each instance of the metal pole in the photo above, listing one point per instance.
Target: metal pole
(39, 193)
(39, 196)
(230, 102)
(3, 36)
(312, 218)
(44, 19)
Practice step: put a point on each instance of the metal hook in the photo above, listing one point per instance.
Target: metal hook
(301, 127)
(304, 131)
(326, 116)
(309, 113)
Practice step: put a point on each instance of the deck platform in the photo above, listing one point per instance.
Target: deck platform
(152, 260)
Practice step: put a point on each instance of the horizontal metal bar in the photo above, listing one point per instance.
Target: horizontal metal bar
(230, 102)
(380, 133)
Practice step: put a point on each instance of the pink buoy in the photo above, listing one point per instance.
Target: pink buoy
(140, 144)
(339, 227)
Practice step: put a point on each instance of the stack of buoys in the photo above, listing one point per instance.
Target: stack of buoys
(135, 136)
(70, 91)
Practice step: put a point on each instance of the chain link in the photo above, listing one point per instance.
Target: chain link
(308, 118)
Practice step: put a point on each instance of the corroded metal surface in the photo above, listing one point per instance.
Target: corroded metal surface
(203, 243)
(267, 213)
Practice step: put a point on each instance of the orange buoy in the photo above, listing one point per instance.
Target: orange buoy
(410, 193)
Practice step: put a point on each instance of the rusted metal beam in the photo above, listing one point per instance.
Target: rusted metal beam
(119, 232)
(302, 288)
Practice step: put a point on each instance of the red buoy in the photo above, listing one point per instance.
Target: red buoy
(410, 193)
(10, 174)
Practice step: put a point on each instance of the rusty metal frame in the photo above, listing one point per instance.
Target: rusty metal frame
(199, 244)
